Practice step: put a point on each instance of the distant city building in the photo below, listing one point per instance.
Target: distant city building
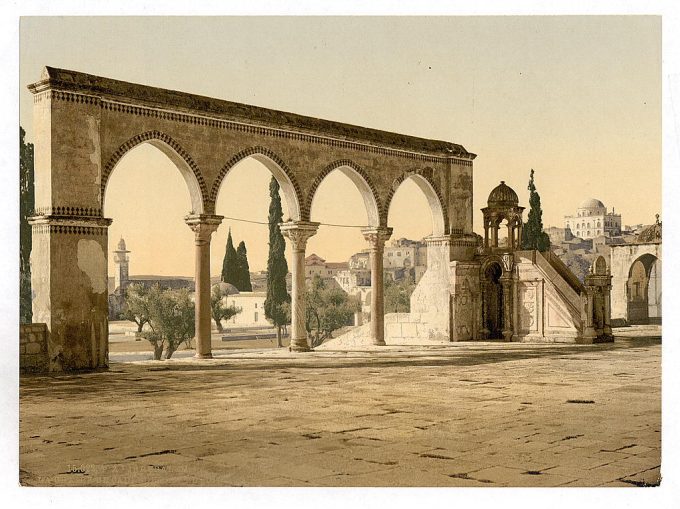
(592, 220)
(317, 266)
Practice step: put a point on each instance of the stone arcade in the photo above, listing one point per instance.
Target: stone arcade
(85, 124)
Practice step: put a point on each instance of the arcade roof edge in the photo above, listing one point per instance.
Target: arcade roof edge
(143, 95)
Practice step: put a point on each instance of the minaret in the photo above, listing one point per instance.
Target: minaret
(121, 260)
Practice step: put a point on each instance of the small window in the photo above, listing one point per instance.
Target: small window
(256, 316)
(256, 305)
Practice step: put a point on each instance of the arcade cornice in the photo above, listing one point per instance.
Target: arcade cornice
(144, 100)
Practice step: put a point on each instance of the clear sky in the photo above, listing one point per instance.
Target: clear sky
(576, 98)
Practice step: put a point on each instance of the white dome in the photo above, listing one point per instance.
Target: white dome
(592, 203)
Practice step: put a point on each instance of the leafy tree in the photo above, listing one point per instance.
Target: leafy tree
(277, 268)
(136, 305)
(244, 284)
(230, 263)
(171, 320)
(533, 236)
(327, 309)
(219, 309)
(397, 294)
(26, 206)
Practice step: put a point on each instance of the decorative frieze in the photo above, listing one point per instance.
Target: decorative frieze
(93, 226)
(206, 120)
(68, 211)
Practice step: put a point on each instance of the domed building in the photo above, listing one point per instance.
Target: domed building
(502, 205)
(592, 220)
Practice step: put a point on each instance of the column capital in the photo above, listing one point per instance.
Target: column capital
(377, 235)
(299, 232)
(203, 225)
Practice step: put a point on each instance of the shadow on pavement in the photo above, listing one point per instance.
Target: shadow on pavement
(120, 376)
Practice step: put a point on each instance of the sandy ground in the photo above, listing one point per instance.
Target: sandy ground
(467, 414)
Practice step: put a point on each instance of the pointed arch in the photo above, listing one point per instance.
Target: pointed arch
(440, 224)
(278, 168)
(174, 151)
(360, 179)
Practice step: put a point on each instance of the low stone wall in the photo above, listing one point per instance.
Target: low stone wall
(33, 348)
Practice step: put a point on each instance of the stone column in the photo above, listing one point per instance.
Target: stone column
(607, 311)
(376, 237)
(203, 226)
(589, 332)
(486, 234)
(507, 308)
(298, 232)
(495, 225)
(511, 235)
(484, 304)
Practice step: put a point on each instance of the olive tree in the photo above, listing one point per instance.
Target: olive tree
(327, 309)
(136, 305)
(171, 320)
(219, 309)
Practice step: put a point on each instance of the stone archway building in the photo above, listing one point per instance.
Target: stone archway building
(85, 124)
(636, 278)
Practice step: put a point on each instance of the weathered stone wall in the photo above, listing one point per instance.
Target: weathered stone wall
(33, 356)
(621, 258)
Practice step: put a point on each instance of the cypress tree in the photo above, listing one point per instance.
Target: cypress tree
(244, 284)
(533, 236)
(277, 268)
(230, 263)
(26, 205)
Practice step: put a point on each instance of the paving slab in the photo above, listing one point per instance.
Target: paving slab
(485, 414)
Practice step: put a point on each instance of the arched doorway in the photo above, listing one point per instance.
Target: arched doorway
(643, 290)
(492, 302)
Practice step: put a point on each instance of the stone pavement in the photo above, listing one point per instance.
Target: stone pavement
(466, 414)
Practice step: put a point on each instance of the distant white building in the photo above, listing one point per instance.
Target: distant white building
(592, 220)
(252, 310)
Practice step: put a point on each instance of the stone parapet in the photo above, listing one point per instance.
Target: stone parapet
(33, 356)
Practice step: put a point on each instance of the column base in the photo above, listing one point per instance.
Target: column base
(379, 342)
(299, 345)
(203, 356)
(507, 336)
